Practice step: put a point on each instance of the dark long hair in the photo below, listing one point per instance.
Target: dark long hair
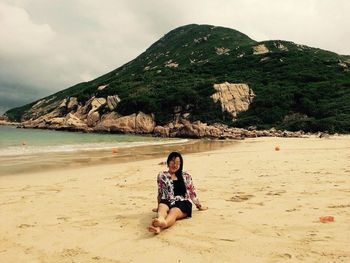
(178, 173)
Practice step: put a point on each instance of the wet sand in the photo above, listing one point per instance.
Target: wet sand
(30, 163)
(264, 206)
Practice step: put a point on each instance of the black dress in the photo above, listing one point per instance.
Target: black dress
(185, 206)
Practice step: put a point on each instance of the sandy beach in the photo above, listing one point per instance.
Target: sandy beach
(264, 206)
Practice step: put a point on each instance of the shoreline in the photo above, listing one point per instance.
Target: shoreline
(2, 122)
(264, 206)
(44, 162)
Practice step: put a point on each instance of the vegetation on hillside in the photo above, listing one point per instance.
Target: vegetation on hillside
(296, 87)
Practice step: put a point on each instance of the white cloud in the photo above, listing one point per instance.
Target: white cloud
(47, 46)
(20, 36)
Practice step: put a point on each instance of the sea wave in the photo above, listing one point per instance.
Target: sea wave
(30, 150)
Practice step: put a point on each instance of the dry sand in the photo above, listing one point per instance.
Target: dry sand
(264, 206)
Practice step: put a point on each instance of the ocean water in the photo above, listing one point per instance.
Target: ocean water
(26, 150)
(15, 141)
(34, 150)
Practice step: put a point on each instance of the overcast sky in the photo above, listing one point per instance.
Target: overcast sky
(49, 45)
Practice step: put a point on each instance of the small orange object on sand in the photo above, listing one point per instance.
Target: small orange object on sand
(114, 150)
(326, 219)
(277, 148)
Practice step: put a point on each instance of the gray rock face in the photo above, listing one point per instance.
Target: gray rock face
(68, 122)
(198, 129)
(260, 49)
(69, 115)
(96, 103)
(74, 122)
(72, 104)
(144, 123)
(112, 102)
(140, 123)
(93, 118)
(234, 98)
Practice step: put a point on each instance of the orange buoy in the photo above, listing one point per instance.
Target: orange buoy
(114, 150)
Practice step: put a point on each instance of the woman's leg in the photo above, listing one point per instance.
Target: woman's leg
(160, 220)
(163, 210)
(173, 215)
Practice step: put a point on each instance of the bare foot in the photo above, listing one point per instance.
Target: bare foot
(159, 222)
(154, 229)
(155, 209)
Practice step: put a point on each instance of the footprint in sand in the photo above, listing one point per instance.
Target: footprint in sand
(25, 226)
(63, 218)
(291, 210)
(338, 206)
(89, 223)
(240, 198)
(285, 255)
(72, 252)
(276, 192)
(264, 175)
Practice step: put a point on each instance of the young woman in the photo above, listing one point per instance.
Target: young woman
(176, 194)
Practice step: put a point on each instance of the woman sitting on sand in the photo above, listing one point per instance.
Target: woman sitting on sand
(175, 190)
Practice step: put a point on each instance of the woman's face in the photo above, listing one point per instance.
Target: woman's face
(174, 165)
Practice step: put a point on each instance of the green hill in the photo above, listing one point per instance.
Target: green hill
(297, 87)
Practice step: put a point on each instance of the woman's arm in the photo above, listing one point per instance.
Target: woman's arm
(164, 187)
(192, 192)
(160, 186)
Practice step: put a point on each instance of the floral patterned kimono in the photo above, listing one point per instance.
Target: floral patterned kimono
(166, 189)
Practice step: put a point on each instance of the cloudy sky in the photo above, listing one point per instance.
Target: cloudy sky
(49, 45)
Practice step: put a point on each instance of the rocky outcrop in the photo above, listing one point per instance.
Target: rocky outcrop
(5, 121)
(92, 119)
(72, 104)
(234, 98)
(72, 121)
(69, 122)
(140, 123)
(112, 102)
(98, 115)
(102, 87)
(96, 103)
(260, 49)
(144, 123)
(93, 116)
(197, 129)
(280, 46)
(222, 51)
(171, 64)
(41, 108)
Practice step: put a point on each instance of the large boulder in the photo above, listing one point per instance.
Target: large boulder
(72, 104)
(93, 118)
(112, 102)
(134, 123)
(161, 131)
(260, 49)
(74, 122)
(96, 103)
(234, 98)
(144, 123)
